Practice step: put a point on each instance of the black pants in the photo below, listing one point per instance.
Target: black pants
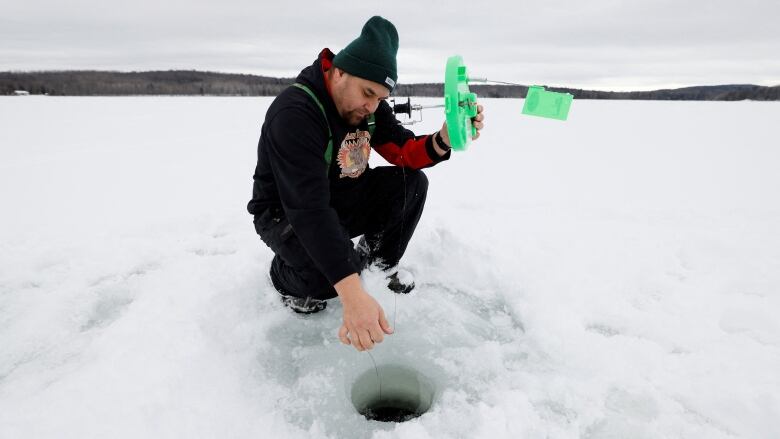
(385, 208)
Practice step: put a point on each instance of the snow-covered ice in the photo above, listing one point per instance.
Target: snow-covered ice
(616, 275)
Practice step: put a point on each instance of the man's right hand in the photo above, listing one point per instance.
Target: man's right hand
(364, 320)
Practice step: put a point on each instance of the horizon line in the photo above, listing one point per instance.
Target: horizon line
(606, 90)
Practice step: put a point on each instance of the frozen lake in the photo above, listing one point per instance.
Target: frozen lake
(616, 275)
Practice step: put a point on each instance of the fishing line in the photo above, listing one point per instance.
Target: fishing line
(376, 370)
(395, 295)
(495, 82)
(401, 235)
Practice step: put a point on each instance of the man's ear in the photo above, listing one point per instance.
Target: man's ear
(340, 73)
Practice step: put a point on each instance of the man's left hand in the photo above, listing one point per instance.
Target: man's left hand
(476, 121)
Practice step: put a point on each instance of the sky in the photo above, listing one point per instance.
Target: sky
(595, 44)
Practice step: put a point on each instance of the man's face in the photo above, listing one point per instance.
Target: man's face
(355, 97)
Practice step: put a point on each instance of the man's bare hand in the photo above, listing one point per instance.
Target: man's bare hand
(365, 323)
(477, 121)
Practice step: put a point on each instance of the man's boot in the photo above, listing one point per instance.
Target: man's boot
(400, 282)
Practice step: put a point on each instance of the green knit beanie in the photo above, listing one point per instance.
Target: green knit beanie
(372, 55)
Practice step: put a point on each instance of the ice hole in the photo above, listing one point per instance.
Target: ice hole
(392, 393)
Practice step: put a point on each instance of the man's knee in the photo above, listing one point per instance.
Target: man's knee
(417, 188)
(417, 183)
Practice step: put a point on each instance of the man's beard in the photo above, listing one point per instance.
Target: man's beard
(355, 118)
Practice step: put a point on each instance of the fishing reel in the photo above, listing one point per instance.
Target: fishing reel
(407, 109)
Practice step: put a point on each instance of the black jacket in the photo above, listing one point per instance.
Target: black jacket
(292, 173)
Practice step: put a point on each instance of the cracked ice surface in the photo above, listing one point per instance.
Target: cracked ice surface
(616, 275)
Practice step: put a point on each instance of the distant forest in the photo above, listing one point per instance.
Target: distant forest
(194, 83)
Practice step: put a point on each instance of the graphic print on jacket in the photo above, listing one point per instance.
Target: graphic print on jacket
(353, 154)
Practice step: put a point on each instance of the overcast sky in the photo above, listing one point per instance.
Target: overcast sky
(596, 44)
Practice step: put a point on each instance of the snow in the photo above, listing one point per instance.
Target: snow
(615, 275)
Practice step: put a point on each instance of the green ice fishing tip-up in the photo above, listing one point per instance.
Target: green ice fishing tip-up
(460, 104)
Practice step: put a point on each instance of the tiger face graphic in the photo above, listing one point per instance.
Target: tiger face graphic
(353, 154)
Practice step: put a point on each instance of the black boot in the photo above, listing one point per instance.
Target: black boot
(303, 305)
(402, 284)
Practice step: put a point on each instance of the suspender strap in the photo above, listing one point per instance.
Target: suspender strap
(371, 124)
(329, 149)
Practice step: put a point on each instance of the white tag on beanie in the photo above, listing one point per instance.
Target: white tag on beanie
(390, 82)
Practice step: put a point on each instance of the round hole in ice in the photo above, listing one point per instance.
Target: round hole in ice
(392, 393)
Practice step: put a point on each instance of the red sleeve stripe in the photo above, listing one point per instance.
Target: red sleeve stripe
(413, 154)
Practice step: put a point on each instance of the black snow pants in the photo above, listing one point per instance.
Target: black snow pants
(385, 208)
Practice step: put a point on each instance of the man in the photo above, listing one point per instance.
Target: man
(313, 190)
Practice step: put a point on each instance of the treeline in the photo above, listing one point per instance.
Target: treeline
(700, 93)
(171, 82)
(191, 82)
